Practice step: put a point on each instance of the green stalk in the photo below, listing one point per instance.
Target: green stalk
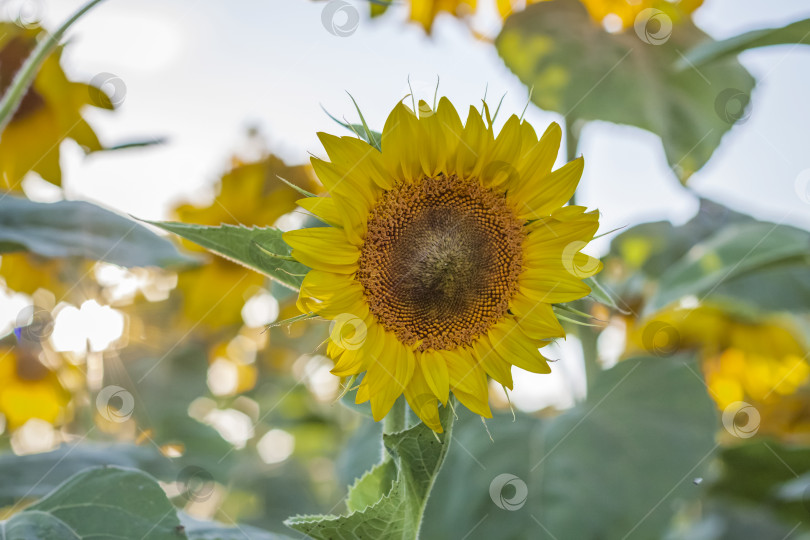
(587, 336)
(28, 72)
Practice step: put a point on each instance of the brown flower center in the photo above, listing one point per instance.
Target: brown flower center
(440, 261)
(12, 56)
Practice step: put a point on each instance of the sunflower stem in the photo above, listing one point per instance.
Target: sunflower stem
(395, 419)
(25, 76)
(394, 422)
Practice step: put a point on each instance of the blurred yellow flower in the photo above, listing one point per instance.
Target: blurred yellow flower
(28, 389)
(49, 112)
(763, 363)
(425, 11)
(250, 194)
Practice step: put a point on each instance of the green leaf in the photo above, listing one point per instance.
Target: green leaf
(81, 229)
(36, 475)
(732, 253)
(794, 33)
(207, 530)
(389, 501)
(252, 247)
(616, 466)
(578, 69)
(99, 503)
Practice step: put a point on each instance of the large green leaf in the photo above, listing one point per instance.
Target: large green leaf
(99, 503)
(36, 475)
(616, 466)
(389, 501)
(252, 247)
(81, 229)
(712, 268)
(794, 33)
(578, 69)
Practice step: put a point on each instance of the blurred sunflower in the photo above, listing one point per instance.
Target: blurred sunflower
(249, 194)
(50, 112)
(619, 14)
(447, 248)
(28, 389)
(763, 363)
(424, 12)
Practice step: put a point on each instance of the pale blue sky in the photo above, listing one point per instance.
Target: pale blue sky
(201, 71)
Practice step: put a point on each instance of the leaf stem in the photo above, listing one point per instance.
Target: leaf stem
(28, 72)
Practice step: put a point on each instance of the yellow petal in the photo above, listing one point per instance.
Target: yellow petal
(465, 374)
(552, 191)
(451, 126)
(359, 161)
(436, 374)
(324, 208)
(498, 168)
(399, 153)
(323, 248)
(536, 162)
(329, 294)
(388, 375)
(422, 401)
(536, 319)
(475, 141)
(477, 404)
(516, 348)
(494, 366)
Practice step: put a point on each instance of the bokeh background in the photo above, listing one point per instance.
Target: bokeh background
(170, 366)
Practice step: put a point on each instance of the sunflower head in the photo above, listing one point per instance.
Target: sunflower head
(447, 247)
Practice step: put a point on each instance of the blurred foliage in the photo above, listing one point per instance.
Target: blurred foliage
(696, 420)
(582, 71)
(250, 194)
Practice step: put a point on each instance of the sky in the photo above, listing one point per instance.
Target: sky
(200, 73)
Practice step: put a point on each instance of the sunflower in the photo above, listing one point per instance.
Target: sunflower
(762, 362)
(447, 248)
(49, 113)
